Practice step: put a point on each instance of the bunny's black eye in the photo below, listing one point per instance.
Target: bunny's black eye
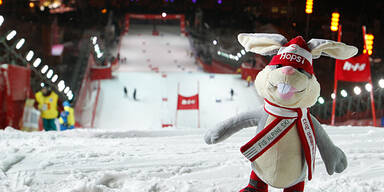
(276, 66)
(301, 70)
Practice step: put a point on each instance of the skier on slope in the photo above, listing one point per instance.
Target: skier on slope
(134, 94)
(125, 91)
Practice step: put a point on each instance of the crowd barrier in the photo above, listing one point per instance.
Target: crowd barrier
(101, 72)
(248, 71)
(83, 109)
(14, 90)
(215, 67)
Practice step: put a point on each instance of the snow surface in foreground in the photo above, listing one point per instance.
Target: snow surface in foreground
(89, 160)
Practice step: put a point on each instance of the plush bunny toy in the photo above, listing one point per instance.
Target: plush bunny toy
(283, 151)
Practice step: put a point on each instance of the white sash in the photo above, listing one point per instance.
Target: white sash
(286, 118)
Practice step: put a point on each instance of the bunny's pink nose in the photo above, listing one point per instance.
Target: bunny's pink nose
(288, 70)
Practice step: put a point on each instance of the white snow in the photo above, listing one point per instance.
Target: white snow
(170, 51)
(129, 152)
(94, 160)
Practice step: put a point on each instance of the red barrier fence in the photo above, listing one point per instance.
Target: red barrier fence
(216, 67)
(82, 111)
(87, 105)
(14, 89)
(248, 71)
(155, 16)
(96, 104)
(101, 72)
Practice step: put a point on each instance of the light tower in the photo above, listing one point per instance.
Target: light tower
(335, 21)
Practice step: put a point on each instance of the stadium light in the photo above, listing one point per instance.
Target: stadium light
(243, 52)
(357, 90)
(368, 43)
(164, 14)
(320, 100)
(381, 83)
(29, 55)
(335, 21)
(66, 90)
(70, 95)
(343, 93)
(61, 85)
(44, 69)
(368, 87)
(42, 84)
(309, 6)
(31, 4)
(37, 62)
(97, 48)
(239, 55)
(99, 55)
(333, 96)
(1, 20)
(11, 35)
(54, 78)
(50, 73)
(94, 40)
(20, 43)
(214, 42)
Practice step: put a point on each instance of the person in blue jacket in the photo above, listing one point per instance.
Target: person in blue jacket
(67, 117)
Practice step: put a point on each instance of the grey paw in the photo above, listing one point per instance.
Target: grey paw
(338, 162)
(342, 163)
(210, 138)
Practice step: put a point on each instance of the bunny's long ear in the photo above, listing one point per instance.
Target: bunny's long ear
(262, 43)
(337, 50)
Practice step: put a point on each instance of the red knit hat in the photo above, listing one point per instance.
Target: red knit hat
(295, 53)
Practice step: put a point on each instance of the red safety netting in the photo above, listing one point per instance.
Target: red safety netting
(87, 102)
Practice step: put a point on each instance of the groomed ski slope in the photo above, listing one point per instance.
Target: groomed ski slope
(130, 152)
(169, 51)
(160, 72)
(150, 111)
